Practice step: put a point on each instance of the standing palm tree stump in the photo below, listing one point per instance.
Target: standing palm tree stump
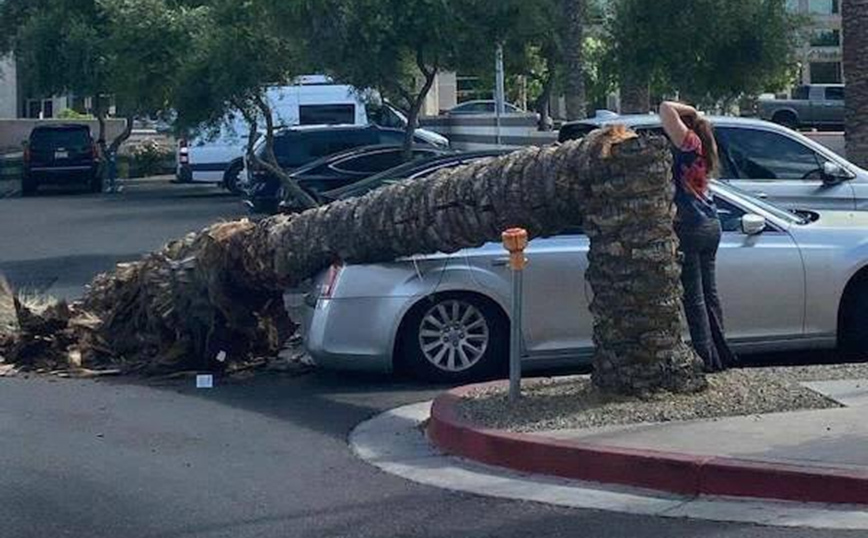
(634, 271)
(854, 15)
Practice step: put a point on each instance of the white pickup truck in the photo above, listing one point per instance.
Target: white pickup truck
(812, 105)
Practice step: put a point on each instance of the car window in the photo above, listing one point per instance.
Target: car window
(295, 149)
(60, 138)
(801, 93)
(835, 93)
(373, 163)
(766, 155)
(397, 138)
(370, 163)
(326, 114)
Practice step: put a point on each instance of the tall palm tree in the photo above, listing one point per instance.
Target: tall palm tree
(855, 22)
(218, 293)
(573, 30)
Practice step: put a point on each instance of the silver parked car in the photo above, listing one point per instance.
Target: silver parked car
(788, 280)
(768, 160)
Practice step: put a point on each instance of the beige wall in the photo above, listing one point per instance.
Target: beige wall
(13, 133)
(442, 96)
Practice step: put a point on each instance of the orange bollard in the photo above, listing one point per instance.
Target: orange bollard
(515, 241)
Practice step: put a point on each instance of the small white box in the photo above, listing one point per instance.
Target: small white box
(205, 381)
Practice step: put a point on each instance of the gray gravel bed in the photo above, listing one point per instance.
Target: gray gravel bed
(573, 402)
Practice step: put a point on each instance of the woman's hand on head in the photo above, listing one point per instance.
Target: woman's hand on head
(671, 118)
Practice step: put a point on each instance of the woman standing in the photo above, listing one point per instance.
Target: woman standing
(698, 228)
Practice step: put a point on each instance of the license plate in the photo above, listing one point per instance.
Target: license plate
(61, 154)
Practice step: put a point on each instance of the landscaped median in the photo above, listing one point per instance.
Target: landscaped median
(794, 434)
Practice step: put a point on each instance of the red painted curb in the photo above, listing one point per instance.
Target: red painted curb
(686, 474)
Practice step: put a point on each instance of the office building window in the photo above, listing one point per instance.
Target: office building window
(826, 73)
(824, 7)
(826, 38)
(34, 108)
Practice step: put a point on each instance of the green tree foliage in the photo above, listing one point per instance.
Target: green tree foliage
(537, 38)
(710, 50)
(125, 49)
(240, 52)
(394, 46)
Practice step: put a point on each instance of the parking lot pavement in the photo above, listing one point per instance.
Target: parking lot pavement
(56, 242)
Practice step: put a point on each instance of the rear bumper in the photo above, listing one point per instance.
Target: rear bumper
(352, 334)
(62, 174)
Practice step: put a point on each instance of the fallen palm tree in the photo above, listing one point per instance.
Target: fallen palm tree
(216, 297)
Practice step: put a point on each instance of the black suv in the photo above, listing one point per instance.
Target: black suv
(60, 154)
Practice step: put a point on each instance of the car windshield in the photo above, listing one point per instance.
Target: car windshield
(783, 214)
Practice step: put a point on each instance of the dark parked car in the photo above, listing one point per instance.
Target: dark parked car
(411, 170)
(295, 147)
(60, 154)
(350, 166)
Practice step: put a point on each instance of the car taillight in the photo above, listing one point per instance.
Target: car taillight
(328, 285)
(26, 156)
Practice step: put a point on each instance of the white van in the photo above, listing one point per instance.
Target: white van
(314, 100)
(209, 156)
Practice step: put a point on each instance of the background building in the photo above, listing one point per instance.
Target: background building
(9, 102)
(822, 54)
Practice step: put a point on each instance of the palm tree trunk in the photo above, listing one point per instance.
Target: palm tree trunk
(635, 274)
(635, 94)
(855, 18)
(221, 290)
(574, 76)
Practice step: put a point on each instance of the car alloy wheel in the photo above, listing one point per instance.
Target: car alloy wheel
(453, 335)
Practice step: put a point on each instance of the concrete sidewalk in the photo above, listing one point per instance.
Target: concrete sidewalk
(807, 456)
(830, 437)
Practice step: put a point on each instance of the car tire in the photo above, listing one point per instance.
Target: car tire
(787, 119)
(854, 330)
(29, 186)
(470, 343)
(230, 177)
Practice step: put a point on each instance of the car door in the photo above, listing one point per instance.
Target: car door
(833, 105)
(556, 320)
(760, 279)
(772, 165)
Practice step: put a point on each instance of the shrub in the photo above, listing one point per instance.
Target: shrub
(149, 157)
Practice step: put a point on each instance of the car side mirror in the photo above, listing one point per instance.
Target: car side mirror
(753, 224)
(834, 173)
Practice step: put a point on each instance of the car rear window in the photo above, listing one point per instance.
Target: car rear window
(326, 114)
(60, 138)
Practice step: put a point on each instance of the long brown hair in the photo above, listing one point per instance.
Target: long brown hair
(705, 131)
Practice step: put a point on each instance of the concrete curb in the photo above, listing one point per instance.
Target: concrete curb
(684, 474)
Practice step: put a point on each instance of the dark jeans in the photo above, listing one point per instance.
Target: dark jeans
(699, 245)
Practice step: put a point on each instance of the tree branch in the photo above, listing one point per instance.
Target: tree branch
(270, 163)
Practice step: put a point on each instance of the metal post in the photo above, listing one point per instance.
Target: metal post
(499, 92)
(515, 241)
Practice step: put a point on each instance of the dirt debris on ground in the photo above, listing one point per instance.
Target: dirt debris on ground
(573, 402)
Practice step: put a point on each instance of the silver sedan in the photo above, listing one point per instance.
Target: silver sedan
(788, 280)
